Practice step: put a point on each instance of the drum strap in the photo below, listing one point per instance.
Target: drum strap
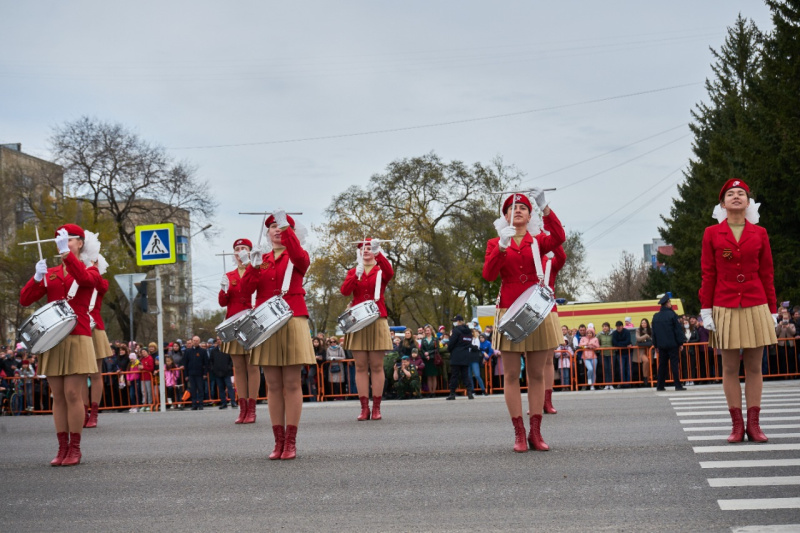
(73, 290)
(537, 259)
(547, 270)
(94, 299)
(378, 281)
(287, 277)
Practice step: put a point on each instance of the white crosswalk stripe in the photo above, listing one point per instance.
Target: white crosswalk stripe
(704, 415)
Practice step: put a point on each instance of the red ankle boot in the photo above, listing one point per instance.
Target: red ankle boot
(74, 452)
(280, 436)
(364, 408)
(548, 402)
(92, 422)
(289, 445)
(250, 417)
(85, 415)
(737, 433)
(535, 438)
(753, 431)
(242, 411)
(63, 447)
(376, 408)
(520, 446)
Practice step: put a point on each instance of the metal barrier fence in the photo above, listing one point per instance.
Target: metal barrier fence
(635, 366)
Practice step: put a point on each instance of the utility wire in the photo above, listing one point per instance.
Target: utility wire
(604, 154)
(439, 124)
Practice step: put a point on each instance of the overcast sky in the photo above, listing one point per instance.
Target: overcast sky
(554, 83)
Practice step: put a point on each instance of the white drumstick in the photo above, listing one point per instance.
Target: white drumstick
(39, 245)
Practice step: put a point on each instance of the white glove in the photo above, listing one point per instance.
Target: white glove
(225, 283)
(708, 322)
(775, 319)
(41, 270)
(62, 240)
(255, 258)
(280, 218)
(359, 270)
(505, 236)
(375, 247)
(244, 256)
(538, 196)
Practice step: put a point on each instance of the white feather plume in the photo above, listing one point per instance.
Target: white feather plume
(91, 248)
(751, 213)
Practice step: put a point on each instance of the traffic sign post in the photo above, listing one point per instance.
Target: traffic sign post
(127, 283)
(155, 245)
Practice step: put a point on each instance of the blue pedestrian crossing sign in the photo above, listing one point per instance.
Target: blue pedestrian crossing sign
(155, 244)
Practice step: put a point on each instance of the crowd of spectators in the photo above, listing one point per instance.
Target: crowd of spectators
(418, 365)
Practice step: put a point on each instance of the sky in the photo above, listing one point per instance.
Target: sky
(286, 104)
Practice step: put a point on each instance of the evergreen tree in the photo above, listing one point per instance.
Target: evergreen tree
(722, 149)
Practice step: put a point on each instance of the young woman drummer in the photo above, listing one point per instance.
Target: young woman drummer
(372, 342)
(282, 355)
(738, 303)
(233, 296)
(510, 256)
(69, 362)
(91, 256)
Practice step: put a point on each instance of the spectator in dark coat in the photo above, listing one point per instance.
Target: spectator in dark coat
(621, 338)
(195, 364)
(221, 366)
(461, 356)
(668, 337)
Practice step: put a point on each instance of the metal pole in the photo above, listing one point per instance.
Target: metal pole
(162, 386)
(130, 302)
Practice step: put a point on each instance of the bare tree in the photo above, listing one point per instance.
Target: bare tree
(574, 274)
(624, 282)
(127, 178)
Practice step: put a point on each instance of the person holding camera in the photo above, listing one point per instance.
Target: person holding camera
(368, 281)
(406, 379)
(462, 354)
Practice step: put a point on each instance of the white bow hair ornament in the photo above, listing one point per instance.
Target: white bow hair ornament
(750, 214)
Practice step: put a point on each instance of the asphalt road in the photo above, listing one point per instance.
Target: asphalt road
(619, 461)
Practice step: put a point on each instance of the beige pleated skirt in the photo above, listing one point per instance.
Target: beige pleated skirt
(373, 338)
(290, 345)
(73, 355)
(234, 348)
(543, 338)
(102, 348)
(742, 327)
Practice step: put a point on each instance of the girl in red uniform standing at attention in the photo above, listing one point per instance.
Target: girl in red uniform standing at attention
(557, 259)
(68, 363)
(738, 302)
(368, 279)
(284, 353)
(233, 296)
(510, 256)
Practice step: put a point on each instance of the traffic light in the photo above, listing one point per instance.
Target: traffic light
(142, 296)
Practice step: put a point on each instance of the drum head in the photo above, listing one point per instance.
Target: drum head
(53, 335)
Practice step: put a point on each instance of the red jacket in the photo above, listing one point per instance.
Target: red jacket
(515, 264)
(266, 280)
(365, 289)
(236, 299)
(737, 274)
(58, 285)
(148, 366)
(102, 289)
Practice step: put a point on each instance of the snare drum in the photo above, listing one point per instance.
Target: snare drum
(48, 326)
(527, 313)
(359, 316)
(228, 327)
(263, 321)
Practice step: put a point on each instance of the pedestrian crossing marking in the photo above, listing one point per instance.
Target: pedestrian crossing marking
(740, 448)
(750, 463)
(728, 425)
(768, 411)
(759, 503)
(754, 481)
(728, 420)
(782, 528)
(725, 436)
